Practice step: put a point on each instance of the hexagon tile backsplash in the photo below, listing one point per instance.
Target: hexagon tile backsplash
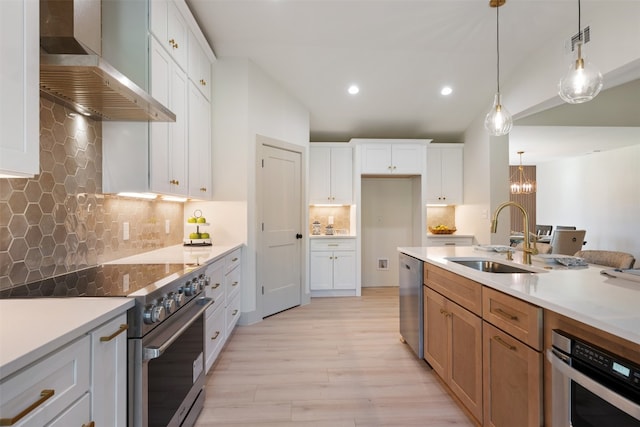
(59, 221)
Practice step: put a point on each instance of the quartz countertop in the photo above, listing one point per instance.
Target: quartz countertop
(179, 254)
(32, 328)
(582, 293)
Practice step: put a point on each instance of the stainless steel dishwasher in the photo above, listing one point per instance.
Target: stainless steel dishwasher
(411, 312)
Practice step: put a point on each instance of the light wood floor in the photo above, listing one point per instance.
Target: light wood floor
(336, 362)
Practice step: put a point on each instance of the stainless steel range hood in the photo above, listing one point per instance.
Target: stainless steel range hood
(73, 72)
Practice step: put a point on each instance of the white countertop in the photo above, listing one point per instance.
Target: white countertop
(609, 304)
(32, 328)
(178, 254)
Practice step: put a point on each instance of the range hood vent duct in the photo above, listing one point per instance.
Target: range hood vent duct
(73, 73)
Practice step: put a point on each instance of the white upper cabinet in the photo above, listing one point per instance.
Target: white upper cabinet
(168, 147)
(445, 174)
(199, 66)
(19, 88)
(199, 165)
(169, 27)
(392, 158)
(330, 175)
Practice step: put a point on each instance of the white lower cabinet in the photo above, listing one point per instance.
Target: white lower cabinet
(109, 373)
(80, 383)
(223, 286)
(48, 387)
(332, 267)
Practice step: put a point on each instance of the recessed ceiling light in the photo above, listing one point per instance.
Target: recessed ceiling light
(446, 91)
(353, 89)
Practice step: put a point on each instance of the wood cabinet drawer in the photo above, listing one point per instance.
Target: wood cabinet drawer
(331, 244)
(461, 290)
(514, 316)
(50, 385)
(232, 260)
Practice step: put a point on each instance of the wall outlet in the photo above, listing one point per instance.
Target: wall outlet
(125, 282)
(167, 226)
(383, 263)
(125, 231)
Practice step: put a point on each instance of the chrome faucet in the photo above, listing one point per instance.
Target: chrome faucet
(527, 250)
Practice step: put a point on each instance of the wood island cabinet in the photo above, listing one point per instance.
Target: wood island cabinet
(453, 340)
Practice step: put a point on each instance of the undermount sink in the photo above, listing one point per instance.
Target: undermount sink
(490, 266)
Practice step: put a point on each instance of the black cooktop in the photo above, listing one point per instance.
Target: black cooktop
(114, 280)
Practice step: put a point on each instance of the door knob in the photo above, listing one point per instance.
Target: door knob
(298, 236)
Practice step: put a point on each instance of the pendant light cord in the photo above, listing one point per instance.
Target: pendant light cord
(579, 26)
(498, 45)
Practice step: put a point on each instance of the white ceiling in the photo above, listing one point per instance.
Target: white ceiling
(400, 53)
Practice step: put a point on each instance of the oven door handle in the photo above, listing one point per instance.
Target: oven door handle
(155, 351)
(620, 402)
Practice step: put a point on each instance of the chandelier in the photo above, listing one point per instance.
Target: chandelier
(519, 183)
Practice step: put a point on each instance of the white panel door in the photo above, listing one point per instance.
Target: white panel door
(280, 257)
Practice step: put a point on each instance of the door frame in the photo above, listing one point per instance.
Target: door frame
(261, 142)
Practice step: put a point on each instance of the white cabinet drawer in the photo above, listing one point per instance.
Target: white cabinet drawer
(232, 283)
(214, 334)
(331, 244)
(233, 313)
(232, 260)
(79, 414)
(66, 372)
(214, 287)
(450, 241)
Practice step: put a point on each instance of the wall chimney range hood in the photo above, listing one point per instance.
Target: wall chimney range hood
(73, 73)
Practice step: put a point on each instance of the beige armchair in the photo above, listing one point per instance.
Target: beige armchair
(608, 258)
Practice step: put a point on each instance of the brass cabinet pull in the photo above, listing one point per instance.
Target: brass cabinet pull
(172, 42)
(122, 328)
(506, 344)
(91, 424)
(44, 396)
(203, 189)
(174, 181)
(215, 336)
(445, 312)
(234, 283)
(203, 82)
(234, 312)
(234, 259)
(333, 244)
(505, 314)
(216, 286)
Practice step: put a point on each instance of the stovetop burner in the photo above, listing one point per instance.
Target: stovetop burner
(113, 280)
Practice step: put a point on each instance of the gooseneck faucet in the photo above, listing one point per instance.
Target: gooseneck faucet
(527, 250)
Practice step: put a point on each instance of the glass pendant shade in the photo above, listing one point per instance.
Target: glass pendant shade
(582, 82)
(498, 121)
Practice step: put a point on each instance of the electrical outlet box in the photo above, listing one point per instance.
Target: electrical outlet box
(167, 226)
(125, 231)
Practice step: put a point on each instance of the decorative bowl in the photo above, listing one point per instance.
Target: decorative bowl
(442, 231)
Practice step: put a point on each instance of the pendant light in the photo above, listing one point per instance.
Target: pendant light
(583, 81)
(498, 121)
(519, 183)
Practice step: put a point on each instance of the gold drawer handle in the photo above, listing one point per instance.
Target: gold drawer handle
(122, 328)
(234, 259)
(234, 284)
(445, 312)
(91, 424)
(216, 286)
(215, 336)
(203, 189)
(174, 181)
(234, 312)
(501, 341)
(505, 314)
(44, 396)
(203, 82)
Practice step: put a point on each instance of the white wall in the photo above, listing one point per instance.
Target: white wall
(598, 193)
(387, 223)
(247, 103)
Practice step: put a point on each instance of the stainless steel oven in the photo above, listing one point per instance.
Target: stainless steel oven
(592, 387)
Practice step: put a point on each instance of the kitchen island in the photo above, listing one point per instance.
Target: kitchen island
(582, 293)
(487, 335)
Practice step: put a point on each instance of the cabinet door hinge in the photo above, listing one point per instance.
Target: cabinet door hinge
(262, 162)
(263, 226)
(263, 290)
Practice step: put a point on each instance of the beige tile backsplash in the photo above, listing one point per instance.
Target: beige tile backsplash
(341, 218)
(59, 221)
(445, 215)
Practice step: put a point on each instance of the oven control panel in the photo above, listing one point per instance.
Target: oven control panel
(613, 365)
